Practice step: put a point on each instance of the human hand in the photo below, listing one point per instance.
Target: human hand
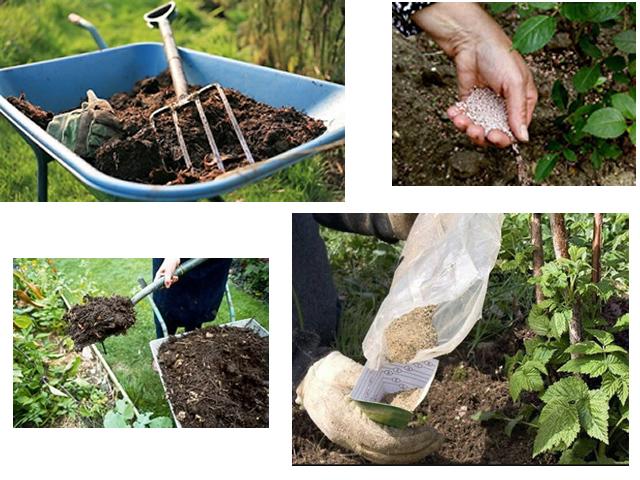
(484, 57)
(324, 394)
(167, 270)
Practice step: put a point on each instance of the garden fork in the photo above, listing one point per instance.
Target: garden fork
(161, 18)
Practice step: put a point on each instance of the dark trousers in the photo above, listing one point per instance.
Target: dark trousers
(194, 299)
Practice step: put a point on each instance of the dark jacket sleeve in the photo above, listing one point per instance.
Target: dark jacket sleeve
(402, 12)
(389, 227)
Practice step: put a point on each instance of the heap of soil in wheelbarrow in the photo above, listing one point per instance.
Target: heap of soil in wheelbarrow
(217, 377)
(143, 157)
(98, 318)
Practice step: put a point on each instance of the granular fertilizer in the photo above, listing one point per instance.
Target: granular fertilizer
(489, 110)
(410, 333)
(406, 399)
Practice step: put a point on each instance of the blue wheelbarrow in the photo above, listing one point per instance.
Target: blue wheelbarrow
(61, 84)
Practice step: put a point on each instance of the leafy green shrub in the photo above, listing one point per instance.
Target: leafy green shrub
(599, 111)
(123, 416)
(582, 389)
(45, 382)
(252, 276)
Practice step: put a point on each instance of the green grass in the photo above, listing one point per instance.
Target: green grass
(38, 30)
(129, 355)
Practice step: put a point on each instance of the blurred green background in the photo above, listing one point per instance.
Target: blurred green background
(301, 36)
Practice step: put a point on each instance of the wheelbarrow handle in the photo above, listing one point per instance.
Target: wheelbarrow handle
(161, 18)
(87, 25)
(159, 283)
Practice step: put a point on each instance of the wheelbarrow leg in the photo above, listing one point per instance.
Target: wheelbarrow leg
(43, 171)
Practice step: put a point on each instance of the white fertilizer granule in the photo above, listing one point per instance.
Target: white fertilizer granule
(489, 110)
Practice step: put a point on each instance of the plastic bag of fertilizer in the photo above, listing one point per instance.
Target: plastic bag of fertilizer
(438, 289)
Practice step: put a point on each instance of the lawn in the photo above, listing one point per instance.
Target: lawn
(129, 355)
(32, 31)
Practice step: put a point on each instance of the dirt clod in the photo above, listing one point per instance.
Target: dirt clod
(98, 318)
(410, 333)
(217, 377)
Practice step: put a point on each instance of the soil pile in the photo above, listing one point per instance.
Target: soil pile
(410, 333)
(99, 318)
(406, 399)
(217, 377)
(142, 156)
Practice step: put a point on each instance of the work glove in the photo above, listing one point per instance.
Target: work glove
(84, 130)
(325, 394)
(389, 227)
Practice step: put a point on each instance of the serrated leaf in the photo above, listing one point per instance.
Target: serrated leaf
(559, 95)
(586, 78)
(626, 41)
(560, 322)
(622, 322)
(605, 338)
(592, 366)
(625, 105)
(539, 323)
(567, 388)
(576, 455)
(605, 123)
(543, 354)
(610, 384)
(545, 166)
(558, 424)
(632, 133)
(534, 33)
(623, 389)
(593, 411)
(614, 348)
(525, 378)
(617, 364)
(585, 348)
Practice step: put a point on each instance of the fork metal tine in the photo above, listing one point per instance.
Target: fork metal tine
(183, 145)
(207, 131)
(234, 123)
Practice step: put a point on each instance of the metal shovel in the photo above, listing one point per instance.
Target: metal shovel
(161, 18)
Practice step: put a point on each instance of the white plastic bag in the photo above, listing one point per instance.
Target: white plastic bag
(446, 262)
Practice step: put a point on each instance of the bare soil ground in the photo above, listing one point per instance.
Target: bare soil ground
(428, 150)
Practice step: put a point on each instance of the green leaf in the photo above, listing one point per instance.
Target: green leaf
(632, 133)
(499, 7)
(591, 11)
(605, 338)
(622, 322)
(586, 78)
(114, 420)
(617, 364)
(539, 323)
(161, 422)
(615, 63)
(567, 388)
(534, 33)
(560, 321)
(56, 392)
(576, 455)
(558, 425)
(525, 378)
(559, 95)
(593, 411)
(625, 105)
(588, 47)
(626, 41)
(592, 366)
(22, 321)
(569, 155)
(543, 5)
(632, 68)
(606, 123)
(545, 165)
(585, 348)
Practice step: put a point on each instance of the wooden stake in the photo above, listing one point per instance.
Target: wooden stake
(596, 248)
(538, 253)
(561, 248)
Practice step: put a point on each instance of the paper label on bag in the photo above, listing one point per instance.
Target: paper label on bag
(373, 385)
